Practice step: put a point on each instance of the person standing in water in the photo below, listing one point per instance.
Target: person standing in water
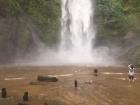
(131, 72)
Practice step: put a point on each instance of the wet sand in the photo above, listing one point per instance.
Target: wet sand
(110, 87)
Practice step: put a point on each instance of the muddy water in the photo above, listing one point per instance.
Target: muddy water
(110, 87)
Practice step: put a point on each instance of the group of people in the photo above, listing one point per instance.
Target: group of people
(131, 72)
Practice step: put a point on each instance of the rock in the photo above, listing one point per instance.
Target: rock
(47, 78)
(96, 72)
(25, 96)
(3, 93)
(46, 104)
(76, 83)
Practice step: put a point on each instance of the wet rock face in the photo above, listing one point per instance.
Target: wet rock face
(3, 93)
(8, 26)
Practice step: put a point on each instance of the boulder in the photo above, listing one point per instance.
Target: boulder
(47, 78)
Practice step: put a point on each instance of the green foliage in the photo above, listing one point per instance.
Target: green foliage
(115, 10)
(24, 34)
(27, 17)
(115, 20)
(117, 17)
(46, 15)
(9, 7)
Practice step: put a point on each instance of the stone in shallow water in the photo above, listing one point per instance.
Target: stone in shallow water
(76, 83)
(47, 78)
(96, 72)
(25, 96)
(3, 93)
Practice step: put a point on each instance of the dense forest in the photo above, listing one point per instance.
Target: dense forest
(24, 24)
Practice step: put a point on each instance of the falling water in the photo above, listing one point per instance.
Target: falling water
(77, 34)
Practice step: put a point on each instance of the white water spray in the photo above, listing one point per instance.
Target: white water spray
(77, 32)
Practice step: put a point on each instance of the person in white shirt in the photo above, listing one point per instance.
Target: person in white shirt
(131, 72)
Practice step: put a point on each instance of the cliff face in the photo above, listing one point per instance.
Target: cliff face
(8, 37)
(26, 23)
(118, 24)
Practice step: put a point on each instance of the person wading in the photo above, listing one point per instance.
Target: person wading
(131, 72)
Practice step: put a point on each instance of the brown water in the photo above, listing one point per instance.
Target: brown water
(110, 87)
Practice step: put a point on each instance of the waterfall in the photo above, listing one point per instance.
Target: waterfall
(77, 34)
(76, 46)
